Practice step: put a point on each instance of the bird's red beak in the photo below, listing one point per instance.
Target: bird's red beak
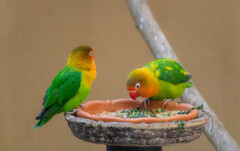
(133, 94)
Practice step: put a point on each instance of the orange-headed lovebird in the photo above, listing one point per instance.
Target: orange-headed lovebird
(158, 80)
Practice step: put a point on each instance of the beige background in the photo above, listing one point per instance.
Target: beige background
(36, 37)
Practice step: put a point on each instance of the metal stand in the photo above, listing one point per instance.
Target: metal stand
(128, 148)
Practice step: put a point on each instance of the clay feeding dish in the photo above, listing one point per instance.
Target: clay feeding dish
(143, 131)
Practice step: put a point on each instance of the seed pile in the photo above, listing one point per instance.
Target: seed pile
(138, 112)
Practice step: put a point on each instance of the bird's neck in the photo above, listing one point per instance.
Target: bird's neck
(88, 71)
(153, 85)
(82, 65)
(89, 77)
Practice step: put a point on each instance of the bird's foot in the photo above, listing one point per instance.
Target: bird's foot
(166, 101)
(146, 102)
(82, 106)
(73, 111)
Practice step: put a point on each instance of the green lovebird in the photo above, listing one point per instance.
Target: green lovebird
(158, 80)
(71, 86)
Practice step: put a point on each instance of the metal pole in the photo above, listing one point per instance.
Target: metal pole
(132, 148)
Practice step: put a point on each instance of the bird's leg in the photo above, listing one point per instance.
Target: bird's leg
(73, 111)
(146, 102)
(166, 101)
(82, 106)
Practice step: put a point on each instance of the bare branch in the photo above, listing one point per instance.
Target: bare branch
(160, 48)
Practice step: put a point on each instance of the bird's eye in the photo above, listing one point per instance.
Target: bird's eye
(137, 85)
(90, 53)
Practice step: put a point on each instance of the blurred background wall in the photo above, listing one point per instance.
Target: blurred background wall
(37, 36)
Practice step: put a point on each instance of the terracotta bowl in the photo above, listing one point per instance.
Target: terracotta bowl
(91, 109)
(144, 132)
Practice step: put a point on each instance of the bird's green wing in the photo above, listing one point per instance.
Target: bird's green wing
(168, 70)
(64, 86)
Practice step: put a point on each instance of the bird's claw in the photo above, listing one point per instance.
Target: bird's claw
(146, 102)
(73, 111)
(166, 101)
(82, 106)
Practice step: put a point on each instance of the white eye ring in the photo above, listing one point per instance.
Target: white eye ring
(90, 53)
(137, 85)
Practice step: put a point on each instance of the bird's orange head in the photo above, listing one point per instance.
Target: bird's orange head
(141, 82)
(82, 57)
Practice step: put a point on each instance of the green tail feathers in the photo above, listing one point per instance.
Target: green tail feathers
(189, 84)
(41, 122)
(46, 114)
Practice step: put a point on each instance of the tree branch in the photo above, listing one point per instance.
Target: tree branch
(154, 37)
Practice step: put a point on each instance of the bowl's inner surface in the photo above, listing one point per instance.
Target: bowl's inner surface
(92, 108)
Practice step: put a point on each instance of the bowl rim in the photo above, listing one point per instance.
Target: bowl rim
(89, 112)
(202, 119)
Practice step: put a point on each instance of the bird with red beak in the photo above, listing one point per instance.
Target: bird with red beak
(158, 80)
(141, 83)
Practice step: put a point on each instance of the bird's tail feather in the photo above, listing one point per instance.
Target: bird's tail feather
(46, 114)
(189, 84)
(43, 121)
(41, 114)
(188, 77)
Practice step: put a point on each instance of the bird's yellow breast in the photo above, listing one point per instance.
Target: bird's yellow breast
(89, 76)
